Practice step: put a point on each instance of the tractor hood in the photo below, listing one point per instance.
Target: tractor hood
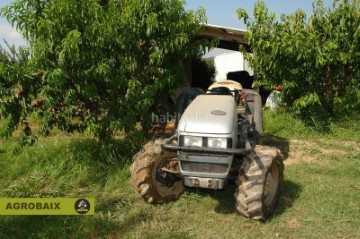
(210, 114)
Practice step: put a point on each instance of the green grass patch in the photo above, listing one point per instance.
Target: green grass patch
(283, 124)
(320, 193)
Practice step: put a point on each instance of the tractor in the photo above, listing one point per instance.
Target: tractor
(216, 141)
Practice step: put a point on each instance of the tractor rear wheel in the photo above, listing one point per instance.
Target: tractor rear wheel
(259, 183)
(150, 180)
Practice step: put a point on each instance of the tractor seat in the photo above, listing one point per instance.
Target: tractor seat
(219, 91)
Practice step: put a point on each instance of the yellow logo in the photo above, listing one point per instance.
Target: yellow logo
(47, 206)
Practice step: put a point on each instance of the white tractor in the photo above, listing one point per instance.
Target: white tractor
(215, 142)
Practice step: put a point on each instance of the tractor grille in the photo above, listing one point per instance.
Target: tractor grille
(204, 167)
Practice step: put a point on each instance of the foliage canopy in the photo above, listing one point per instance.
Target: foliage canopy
(315, 59)
(96, 65)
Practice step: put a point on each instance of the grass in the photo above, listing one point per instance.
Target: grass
(320, 196)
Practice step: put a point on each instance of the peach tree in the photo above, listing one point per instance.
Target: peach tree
(96, 65)
(315, 58)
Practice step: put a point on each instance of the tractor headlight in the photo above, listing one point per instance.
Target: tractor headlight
(194, 141)
(220, 143)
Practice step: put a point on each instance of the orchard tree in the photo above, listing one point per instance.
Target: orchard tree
(97, 65)
(315, 59)
(15, 82)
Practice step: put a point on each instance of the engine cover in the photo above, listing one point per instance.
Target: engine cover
(210, 114)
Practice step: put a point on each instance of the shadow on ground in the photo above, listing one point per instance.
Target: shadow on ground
(290, 192)
(68, 226)
(54, 227)
(226, 202)
(119, 152)
(225, 197)
(278, 142)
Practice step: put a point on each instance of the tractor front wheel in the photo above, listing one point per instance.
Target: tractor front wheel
(151, 179)
(259, 183)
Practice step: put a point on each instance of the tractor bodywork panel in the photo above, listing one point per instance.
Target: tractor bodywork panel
(210, 114)
(210, 121)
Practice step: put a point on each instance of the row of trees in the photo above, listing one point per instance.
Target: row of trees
(102, 65)
(96, 65)
(315, 58)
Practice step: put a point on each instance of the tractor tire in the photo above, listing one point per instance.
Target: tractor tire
(148, 179)
(259, 182)
(184, 100)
